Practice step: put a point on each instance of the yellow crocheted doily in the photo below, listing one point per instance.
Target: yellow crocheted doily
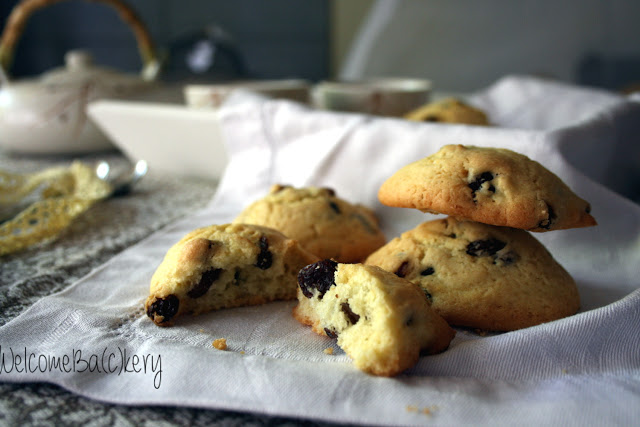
(65, 193)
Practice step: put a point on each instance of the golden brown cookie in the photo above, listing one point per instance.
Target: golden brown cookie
(482, 276)
(224, 266)
(449, 110)
(489, 185)
(323, 223)
(381, 321)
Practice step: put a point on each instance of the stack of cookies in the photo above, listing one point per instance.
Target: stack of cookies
(305, 242)
(387, 303)
(481, 267)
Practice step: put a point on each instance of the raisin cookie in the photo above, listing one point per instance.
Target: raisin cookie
(381, 321)
(223, 266)
(482, 276)
(489, 185)
(324, 224)
(449, 110)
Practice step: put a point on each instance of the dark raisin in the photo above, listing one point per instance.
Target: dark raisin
(237, 278)
(482, 248)
(481, 179)
(403, 269)
(265, 257)
(319, 275)
(351, 316)
(507, 258)
(431, 118)
(551, 217)
(331, 333)
(206, 280)
(330, 191)
(164, 307)
(428, 295)
(427, 271)
(335, 207)
(452, 235)
(409, 320)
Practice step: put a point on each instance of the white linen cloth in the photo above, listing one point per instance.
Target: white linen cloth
(581, 370)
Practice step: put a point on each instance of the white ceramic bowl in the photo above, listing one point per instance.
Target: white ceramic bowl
(379, 96)
(213, 95)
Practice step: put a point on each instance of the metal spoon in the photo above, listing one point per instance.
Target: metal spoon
(121, 183)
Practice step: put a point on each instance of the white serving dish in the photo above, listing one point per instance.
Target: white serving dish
(172, 138)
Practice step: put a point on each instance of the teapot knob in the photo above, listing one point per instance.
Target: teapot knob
(77, 60)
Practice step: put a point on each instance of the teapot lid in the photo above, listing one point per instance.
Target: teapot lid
(79, 67)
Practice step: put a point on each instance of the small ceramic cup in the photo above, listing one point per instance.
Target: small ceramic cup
(378, 96)
(214, 95)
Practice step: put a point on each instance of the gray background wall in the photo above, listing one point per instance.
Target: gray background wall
(463, 45)
(460, 44)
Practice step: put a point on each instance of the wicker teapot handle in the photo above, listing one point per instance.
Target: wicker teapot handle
(22, 11)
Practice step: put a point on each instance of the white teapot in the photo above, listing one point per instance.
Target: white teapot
(47, 115)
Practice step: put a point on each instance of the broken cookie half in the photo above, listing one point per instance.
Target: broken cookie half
(223, 266)
(381, 321)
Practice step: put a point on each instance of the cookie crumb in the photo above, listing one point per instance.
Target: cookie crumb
(220, 343)
(242, 352)
(328, 350)
(201, 331)
(426, 410)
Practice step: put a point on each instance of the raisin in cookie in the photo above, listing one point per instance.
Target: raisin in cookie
(489, 185)
(449, 110)
(482, 276)
(324, 224)
(381, 321)
(223, 266)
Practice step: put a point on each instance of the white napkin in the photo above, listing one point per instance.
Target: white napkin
(581, 370)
